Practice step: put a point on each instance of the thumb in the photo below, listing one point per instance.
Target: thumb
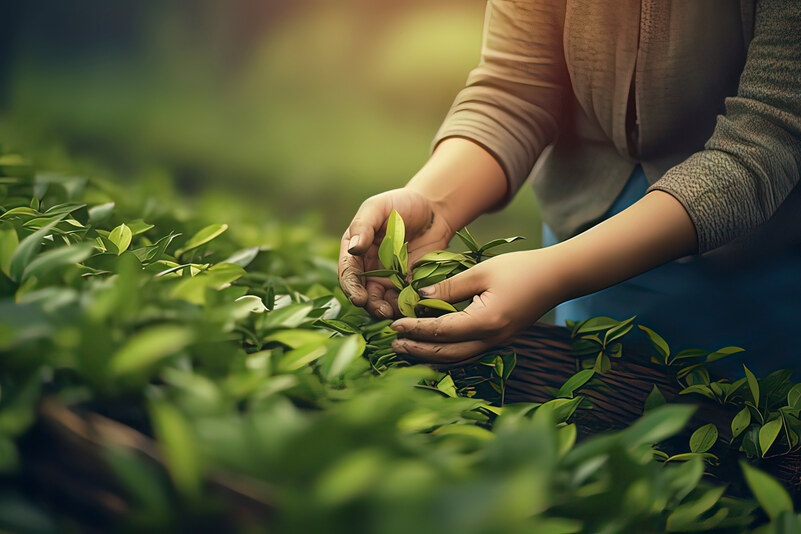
(461, 287)
(362, 229)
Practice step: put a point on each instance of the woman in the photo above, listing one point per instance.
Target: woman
(676, 132)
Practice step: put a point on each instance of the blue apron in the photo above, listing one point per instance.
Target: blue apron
(749, 296)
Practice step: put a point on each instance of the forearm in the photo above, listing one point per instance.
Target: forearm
(651, 232)
(462, 179)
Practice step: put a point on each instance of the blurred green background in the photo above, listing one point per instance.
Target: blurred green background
(303, 108)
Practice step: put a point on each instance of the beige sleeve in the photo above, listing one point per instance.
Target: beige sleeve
(512, 100)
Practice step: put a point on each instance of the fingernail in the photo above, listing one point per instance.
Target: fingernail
(385, 310)
(426, 291)
(353, 243)
(397, 327)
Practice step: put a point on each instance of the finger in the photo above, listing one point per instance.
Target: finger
(451, 327)
(441, 353)
(460, 287)
(391, 296)
(350, 271)
(368, 220)
(376, 301)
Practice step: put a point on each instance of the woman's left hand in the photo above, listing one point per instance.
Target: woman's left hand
(508, 293)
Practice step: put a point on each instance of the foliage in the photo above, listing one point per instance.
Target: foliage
(432, 268)
(249, 368)
(764, 412)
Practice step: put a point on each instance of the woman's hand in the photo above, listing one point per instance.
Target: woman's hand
(426, 229)
(508, 293)
(459, 182)
(513, 290)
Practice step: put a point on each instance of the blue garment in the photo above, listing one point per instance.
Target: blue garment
(750, 298)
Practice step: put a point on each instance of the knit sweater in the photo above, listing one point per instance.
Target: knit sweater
(706, 96)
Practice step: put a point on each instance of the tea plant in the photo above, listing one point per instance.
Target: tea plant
(239, 390)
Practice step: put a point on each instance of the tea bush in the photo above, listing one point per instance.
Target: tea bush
(228, 385)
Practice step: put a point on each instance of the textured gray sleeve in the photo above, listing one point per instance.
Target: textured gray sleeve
(512, 99)
(752, 161)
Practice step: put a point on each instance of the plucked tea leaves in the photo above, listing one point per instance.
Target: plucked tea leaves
(407, 300)
(437, 304)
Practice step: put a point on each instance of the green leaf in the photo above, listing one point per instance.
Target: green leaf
(396, 231)
(768, 434)
(447, 386)
(20, 211)
(722, 353)
(349, 349)
(740, 422)
(297, 337)
(509, 363)
(773, 498)
(139, 226)
(302, 356)
(243, 257)
(575, 382)
(397, 281)
(561, 409)
(385, 253)
(148, 348)
(180, 448)
(701, 389)
(402, 259)
(349, 476)
(685, 516)
(468, 239)
(252, 303)
(216, 277)
(753, 385)
(441, 255)
(338, 326)
(498, 242)
(596, 324)
(619, 330)
(27, 249)
(8, 242)
(437, 304)
(660, 344)
(602, 363)
(424, 271)
(56, 258)
(689, 353)
(202, 237)
(567, 439)
(794, 397)
(101, 212)
(654, 399)
(121, 237)
(703, 438)
(156, 251)
(657, 425)
(407, 300)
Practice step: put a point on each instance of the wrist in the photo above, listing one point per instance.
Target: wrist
(462, 180)
(553, 273)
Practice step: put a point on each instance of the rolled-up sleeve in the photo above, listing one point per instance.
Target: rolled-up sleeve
(752, 161)
(512, 100)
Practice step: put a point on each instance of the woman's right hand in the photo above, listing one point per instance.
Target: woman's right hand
(427, 229)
